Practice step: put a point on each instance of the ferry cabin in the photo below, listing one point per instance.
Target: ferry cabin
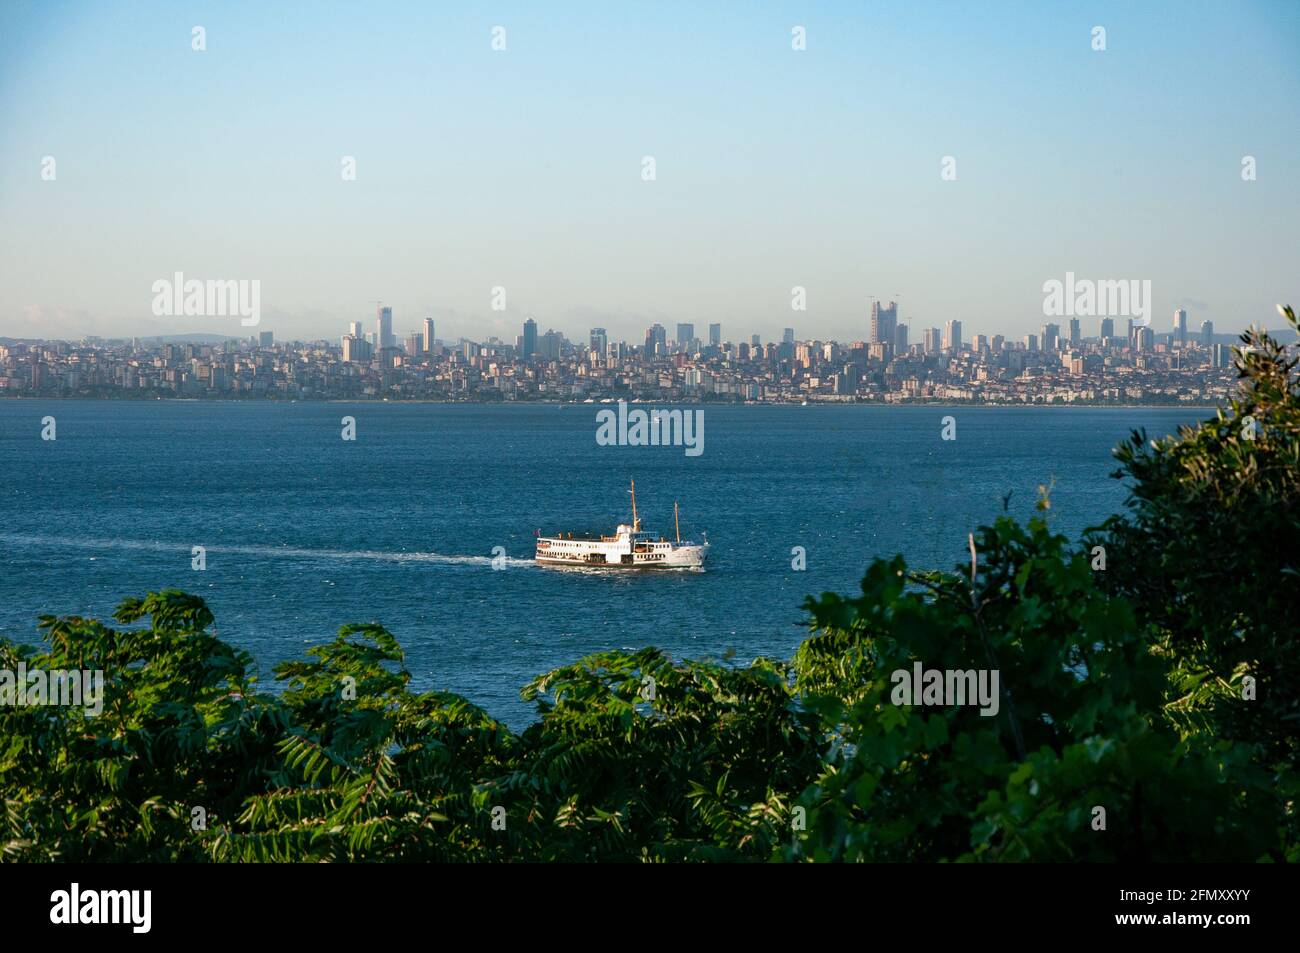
(626, 548)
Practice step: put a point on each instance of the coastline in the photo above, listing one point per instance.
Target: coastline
(1136, 405)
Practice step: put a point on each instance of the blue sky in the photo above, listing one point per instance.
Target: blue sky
(522, 168)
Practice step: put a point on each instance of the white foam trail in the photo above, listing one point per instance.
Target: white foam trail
(289, 551)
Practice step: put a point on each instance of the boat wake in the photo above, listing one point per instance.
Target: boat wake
(290, 552)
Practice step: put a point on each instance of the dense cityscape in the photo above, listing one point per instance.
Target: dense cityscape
(1057, 365)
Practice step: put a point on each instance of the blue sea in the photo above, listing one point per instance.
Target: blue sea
(305, 531)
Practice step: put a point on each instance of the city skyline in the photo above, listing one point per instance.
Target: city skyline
(420, 338)
(945, 365)
(516, 177)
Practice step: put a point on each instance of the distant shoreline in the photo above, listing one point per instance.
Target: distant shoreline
(1093, 405)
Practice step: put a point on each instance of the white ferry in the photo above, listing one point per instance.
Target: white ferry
(628, 548)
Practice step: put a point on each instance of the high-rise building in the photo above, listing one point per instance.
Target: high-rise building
(530, 339)
(1207, 334)
(1107, 328)
(414, 343)
(266, 338)
(1075, 335)
(356, 349)
(755, 341)
(900, 339)
(428, 335)
(656, 340)
(354, 329)
(884, 322)
(384, 329)
(1223, 355)
(1145, 338)
(980, 343)
(715, 335)
(933, 340)
(849, 379)
(952, 335)
(787, 336)
(1180, 327)
(599, 341)
(549, 345)
(685, 335)
(1051, 338)
(1031, 342)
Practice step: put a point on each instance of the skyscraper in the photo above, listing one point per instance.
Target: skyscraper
(354, 329)
(656, 340)
(715, 335)
(599, 341)
(384, 329)
(1075, 335)
(900, 339)
(1051, 337)
(356, 349)
(755, 341)
(685, 335)
(884, 322)
(952, 335)
(932, 339)
(530, 339)
(1107, 328)
(428, 335)
(1180, 327)
(787, 337)
(1207, 334)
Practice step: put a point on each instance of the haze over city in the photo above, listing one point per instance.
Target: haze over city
(523, 167)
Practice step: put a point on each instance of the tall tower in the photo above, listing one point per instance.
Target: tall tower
(952, 335)
(715, 335)
(428, 335)
(884, 322)
(1051, 337)
(530, 338)
(384, 329)
(1180, 327)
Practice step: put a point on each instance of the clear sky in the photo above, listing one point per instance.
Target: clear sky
(522, 168)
